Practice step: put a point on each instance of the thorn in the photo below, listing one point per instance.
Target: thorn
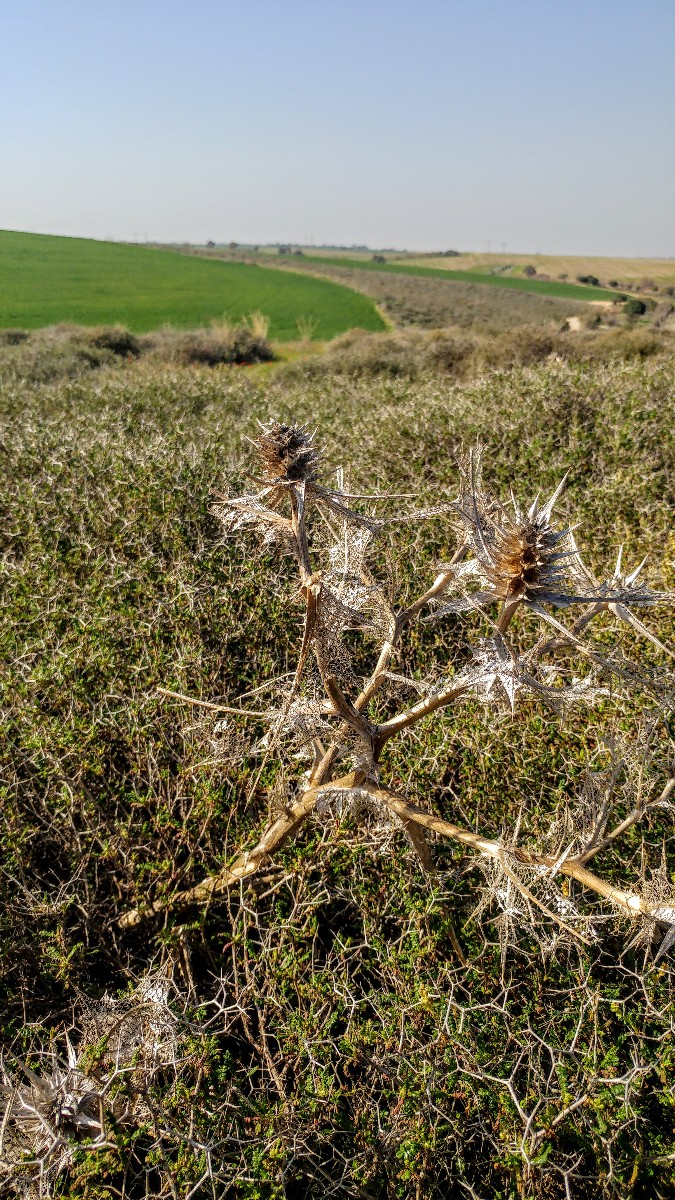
(630, 579)
(533, 510)
(549, 506)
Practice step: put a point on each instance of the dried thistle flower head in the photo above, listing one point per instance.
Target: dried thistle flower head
(286, 454)
(526, 559)
(42, 1121)
(519, 556)
(45, 1113)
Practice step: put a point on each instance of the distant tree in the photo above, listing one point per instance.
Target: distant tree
(613, 283)
(284, 249)
(378, 258)
(233, 245)
(529, 271)
(210, 245)
(634, 307)
(299, 253)
(563, 276)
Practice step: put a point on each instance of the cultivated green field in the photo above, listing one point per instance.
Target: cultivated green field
(47, 280)
(569, 291)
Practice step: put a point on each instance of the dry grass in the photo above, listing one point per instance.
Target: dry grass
(631, 270)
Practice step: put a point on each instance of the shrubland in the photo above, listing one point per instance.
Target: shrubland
(352, 1019)
(70, 351)
(466, 355)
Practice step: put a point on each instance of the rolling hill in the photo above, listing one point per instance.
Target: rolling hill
(46, 280)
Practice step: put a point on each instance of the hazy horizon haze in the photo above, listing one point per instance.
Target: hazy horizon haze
(440, 125)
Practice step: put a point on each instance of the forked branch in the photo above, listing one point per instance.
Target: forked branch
(512, 565)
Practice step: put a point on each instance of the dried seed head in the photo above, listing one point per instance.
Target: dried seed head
(286, 454)
(519, 555)
(42, 1121)
(525, 561)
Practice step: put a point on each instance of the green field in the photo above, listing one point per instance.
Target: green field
(47, 280)
(569, 291)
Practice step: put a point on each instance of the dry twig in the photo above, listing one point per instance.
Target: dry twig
(512, 562)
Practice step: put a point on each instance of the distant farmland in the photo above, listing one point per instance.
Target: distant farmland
(542, 287)
(436, 303)
(47, 280)
(635, 272)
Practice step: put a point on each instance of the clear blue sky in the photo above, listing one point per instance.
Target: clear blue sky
(540, 125)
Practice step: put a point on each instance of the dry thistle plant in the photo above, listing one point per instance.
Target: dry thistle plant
(517, 568)
(81, 1097)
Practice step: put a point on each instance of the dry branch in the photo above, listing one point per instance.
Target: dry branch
(511, 562)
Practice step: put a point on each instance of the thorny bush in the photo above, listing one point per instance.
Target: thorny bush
(328, 1027)
(518, 567)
